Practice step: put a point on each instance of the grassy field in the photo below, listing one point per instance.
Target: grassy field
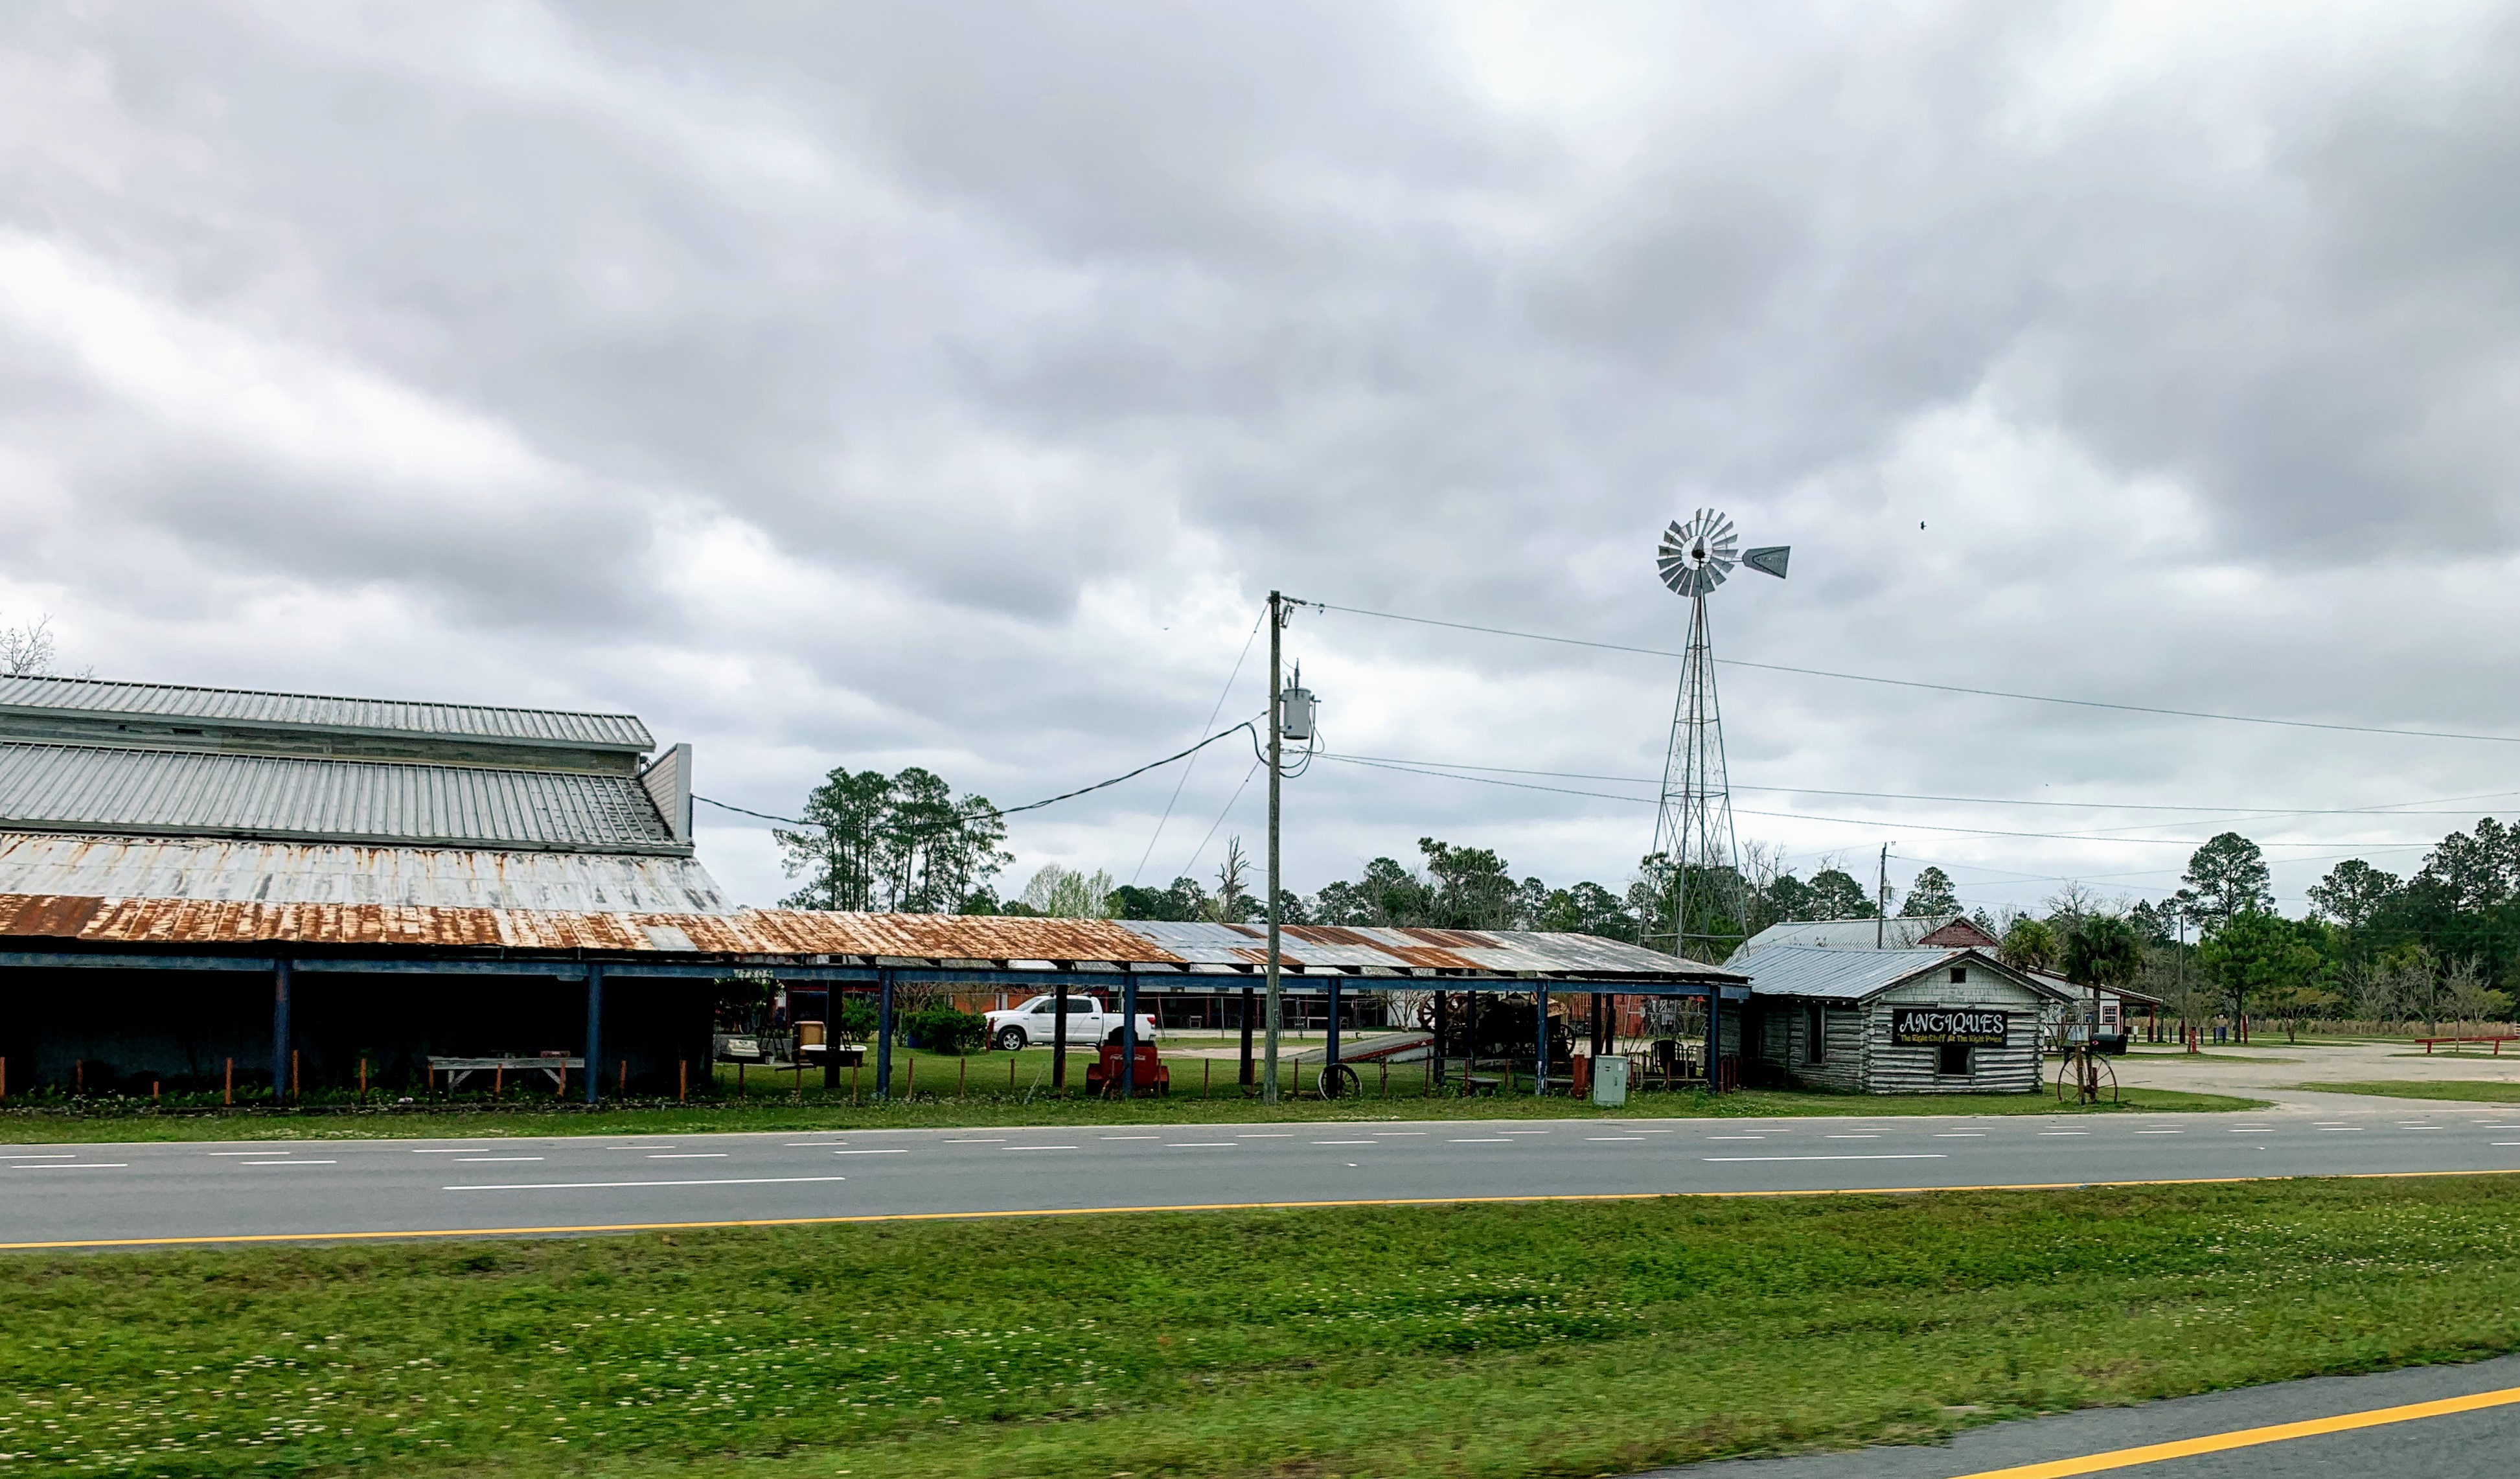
(947, 1091)
(2428, 1089)
(1462, 1341)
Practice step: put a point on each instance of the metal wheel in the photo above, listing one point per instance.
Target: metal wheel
(1011, 1039)
(2085, 1076)
(1338, 1081)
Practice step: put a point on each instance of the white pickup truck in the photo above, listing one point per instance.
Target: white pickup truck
(1089, 1022)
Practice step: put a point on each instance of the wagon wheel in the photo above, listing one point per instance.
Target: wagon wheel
(1338, 1081)
(2071, 1077)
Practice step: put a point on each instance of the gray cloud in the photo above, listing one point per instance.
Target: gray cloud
(945, 384)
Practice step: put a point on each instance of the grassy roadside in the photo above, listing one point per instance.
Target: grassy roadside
(127, 1121)
(2463, 1090)
(1460, 1342)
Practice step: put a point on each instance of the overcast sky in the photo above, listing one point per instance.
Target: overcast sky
(947, 384)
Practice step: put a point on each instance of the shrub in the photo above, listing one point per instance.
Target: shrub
(945, 1029)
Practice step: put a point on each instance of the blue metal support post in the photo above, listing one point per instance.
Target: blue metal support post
(280, 1039)
(1540, 1075)
(594, 1028)
(1715, 1040)
(1129, 1039)
(1330, 1049)
(883, 1035)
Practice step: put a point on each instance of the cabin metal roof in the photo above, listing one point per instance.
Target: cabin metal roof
(1904, 932)
(1854, 976)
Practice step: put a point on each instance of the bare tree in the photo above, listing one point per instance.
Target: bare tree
(27, 651)
(1232, 902)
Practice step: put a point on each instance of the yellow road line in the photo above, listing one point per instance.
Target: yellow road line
(2282, 1432)
(1265, 1206)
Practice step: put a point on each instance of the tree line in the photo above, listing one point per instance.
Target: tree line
(2442, 944)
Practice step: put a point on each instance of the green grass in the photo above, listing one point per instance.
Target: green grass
(972, 1092)
(2463, 1090)
(1560, 1339)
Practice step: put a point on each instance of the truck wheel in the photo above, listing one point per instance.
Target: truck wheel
(1011, 1039)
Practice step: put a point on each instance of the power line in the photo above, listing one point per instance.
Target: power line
(2392, 809)
(1939, 688)
(1222, 694)
(1249, 725)
(1871, 822)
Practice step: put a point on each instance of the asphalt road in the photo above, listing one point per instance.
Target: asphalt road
(91, 1194)
(2402, 1438)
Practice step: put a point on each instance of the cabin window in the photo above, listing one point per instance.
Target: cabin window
(1951, 1059)
(1960, 974)
(1815, 1036)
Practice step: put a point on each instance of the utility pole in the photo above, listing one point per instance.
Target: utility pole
(1277, 1002)
(1882, 902)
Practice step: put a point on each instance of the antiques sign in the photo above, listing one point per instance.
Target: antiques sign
(1935, 1026)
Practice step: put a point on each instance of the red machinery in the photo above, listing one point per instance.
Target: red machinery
(1103, 1075)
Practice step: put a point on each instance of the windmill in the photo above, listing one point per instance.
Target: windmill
(1700, 913)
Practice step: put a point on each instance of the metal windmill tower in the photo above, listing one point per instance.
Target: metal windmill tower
(1700, 907)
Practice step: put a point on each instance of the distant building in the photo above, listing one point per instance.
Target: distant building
(1950, 932)
(138, 790)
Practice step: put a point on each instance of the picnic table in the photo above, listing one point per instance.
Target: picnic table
(458, 1070)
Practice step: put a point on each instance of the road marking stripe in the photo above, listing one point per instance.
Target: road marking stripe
(748, 1181)
(1906, 1155)
(71, 1155)
(688, 1155)
(949, 1142)
(1033, 1147)
(1347, 1142)
(76, 1166)
(324, 1163)
(1280, 1206)
(469, 1160)
(1201, 1146)
(2281, 1432)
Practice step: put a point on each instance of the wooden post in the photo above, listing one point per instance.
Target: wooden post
(4, 1081)
(560, 1079)
(231, 1094)
(498, 1079)
(738, 1080)
(293, 1075)
(78, 1074)
(963, 1078)
(1206, 1071)
(625, 1075)
(363, 1078)
(853, 1082)
(910, 1076)
(1010, 1073)
(153, 1091)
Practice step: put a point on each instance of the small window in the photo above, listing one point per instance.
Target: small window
(1951, 1059)
(1815, 1035)
(1960, 974)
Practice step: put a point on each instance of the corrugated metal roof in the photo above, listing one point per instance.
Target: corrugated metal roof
(72, 787)
(864, 937)
(1852, 975)
(1328, 948)
(89, 696)
(326, 873)
(1900, 933)
(752, 932)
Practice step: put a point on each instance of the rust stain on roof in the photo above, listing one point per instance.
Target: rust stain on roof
(200, 922)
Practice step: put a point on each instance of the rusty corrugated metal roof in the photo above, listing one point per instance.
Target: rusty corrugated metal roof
(330, 872)
(90, 698)
(764, 932)
(848, 937)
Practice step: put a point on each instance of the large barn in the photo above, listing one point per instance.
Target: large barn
(201, 886)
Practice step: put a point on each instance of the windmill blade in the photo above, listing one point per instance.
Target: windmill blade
(1769, 560)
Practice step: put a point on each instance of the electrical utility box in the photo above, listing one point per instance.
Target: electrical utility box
(1610, 1080)
(1295, 708)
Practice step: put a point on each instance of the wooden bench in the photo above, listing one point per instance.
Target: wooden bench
(458, 1070)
